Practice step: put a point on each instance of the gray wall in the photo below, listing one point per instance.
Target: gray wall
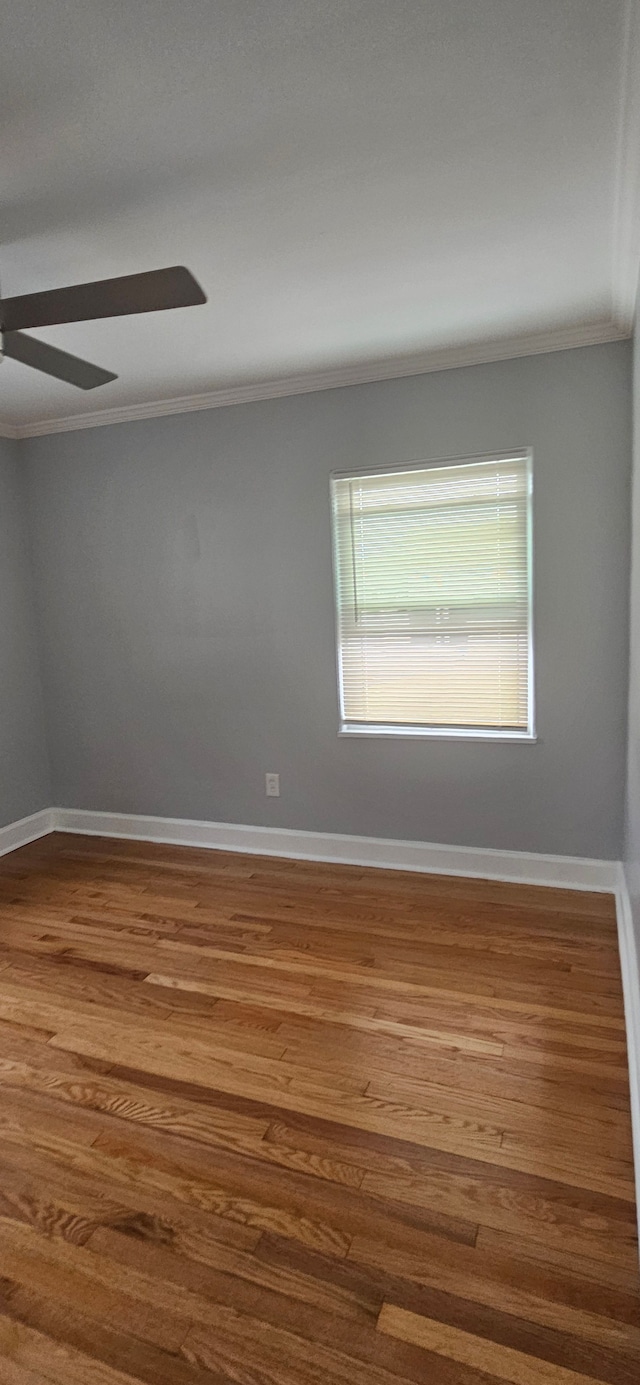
(184, 575)
(632, 842)
(24, 768)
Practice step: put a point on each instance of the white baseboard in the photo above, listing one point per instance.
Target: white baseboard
(580, 873)
(17, 834)
(629, 964)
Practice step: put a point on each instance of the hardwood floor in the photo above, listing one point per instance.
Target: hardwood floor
(276, 1123)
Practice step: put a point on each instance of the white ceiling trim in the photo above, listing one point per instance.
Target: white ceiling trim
(626, 230)
(448, 358)
(9, 430)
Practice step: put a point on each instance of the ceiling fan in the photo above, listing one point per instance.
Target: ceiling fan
(149, 292)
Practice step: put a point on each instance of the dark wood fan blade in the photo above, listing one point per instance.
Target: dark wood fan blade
(132, 293)
(54, 362)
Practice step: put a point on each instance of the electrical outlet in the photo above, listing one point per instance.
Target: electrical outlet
(272, 785)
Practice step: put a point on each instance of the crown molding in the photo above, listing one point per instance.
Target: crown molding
(9, 430)
(626, 225)
(448, 358)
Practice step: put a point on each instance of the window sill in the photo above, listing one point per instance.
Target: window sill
(446, 733)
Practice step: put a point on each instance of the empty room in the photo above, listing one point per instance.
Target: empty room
(319, 692)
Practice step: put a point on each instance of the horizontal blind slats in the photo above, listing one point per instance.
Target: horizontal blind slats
(432, 588)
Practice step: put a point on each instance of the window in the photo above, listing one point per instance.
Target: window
(433, 598)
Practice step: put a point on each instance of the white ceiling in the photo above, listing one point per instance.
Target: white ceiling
(359, 185)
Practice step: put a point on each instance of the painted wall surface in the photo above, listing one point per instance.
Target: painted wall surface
(24, 767)
(184, 577)
(632, 835)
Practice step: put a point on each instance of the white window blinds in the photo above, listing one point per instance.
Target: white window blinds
(432, 571)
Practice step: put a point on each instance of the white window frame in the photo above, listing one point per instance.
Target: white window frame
(526, 735)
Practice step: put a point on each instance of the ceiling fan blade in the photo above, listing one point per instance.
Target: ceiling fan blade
(132, 293)
(51, 361)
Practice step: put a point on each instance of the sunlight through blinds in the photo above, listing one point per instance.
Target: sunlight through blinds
(432, 571)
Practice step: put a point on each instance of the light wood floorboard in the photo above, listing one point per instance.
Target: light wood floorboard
(266, 1122)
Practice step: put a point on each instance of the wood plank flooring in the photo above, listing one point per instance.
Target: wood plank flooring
(277, 1123)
